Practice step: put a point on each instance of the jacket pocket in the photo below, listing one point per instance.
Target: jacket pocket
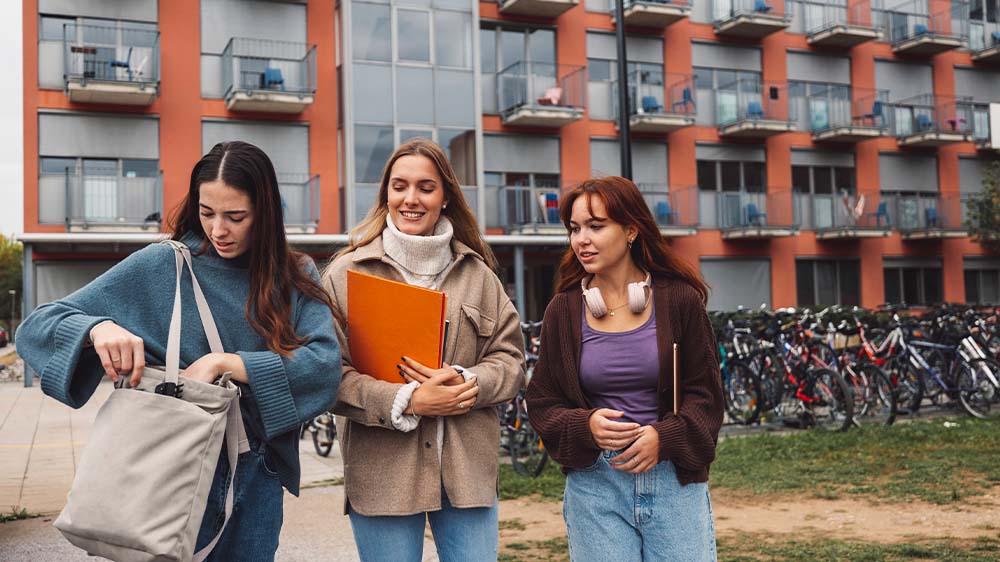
(482, 325)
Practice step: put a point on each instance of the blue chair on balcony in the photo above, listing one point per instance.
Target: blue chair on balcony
(876, 115)
(755, 110)
(755, 216)
(664, 215)
(686, 98)
(920, 29)
(933, 221)
(273, 78)
(126, 64)
(761, 7)
(882, 212)
(995, 36)
(651, 105)
(924, 122)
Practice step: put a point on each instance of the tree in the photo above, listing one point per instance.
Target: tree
(984, 211)
(11, 277)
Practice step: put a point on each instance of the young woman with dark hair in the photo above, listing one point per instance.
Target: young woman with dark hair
(274, 318)
(636, 459)
(424, 449)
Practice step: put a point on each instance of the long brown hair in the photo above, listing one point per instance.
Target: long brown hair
(275, 269)
(463, 220)
(626, 206)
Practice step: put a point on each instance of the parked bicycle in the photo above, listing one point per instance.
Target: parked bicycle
(527, 453)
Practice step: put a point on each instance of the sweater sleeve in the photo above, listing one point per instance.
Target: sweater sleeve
(689, 438)
(563, 425)
(291, 390)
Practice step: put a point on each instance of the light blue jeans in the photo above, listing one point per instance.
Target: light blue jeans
(614, 515)
(460, 534)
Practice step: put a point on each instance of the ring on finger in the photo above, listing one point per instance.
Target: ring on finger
(461, 405)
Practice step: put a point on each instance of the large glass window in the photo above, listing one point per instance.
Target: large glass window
(913, 285)
(982, 286)
(453, 39)
(827, 282)
(416, 104)
(502, 46)
(372, 93)
(372, 147)
(414, 38)
(731, 175)
(453, 99)
(370, 32)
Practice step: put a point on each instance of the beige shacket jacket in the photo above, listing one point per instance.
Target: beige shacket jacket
(390, 472)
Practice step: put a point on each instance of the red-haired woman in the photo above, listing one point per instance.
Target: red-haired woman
(637, 472)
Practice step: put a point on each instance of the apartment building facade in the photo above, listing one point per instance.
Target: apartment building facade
(800, 153)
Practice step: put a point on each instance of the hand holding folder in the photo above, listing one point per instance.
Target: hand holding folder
(387, 319)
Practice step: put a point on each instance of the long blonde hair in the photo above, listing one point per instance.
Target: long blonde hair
(463, 220)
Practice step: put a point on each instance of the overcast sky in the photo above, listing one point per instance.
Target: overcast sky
(11, 120)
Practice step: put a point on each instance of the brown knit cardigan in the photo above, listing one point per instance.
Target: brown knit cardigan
(560, 412)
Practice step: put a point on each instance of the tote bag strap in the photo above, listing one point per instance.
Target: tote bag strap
(234, 426)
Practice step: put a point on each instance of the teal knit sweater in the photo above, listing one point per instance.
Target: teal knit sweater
(138, 294)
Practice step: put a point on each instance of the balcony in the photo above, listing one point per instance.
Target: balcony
(751, 19)
(100, 203)
(530, 210)
(268, 76)
(98, 68)
(926, 218)
(299, 202)
(981, 127)
(927, 120)
(648, 112)
(984, 42)
(913, 32)
(840, 27)
(746, 109)
(675, 210)
(536, 8)
(655, 14)
(842, 217)
(849, 121)
(742, 215)
(541, 94)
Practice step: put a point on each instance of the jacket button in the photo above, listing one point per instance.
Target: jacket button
(381, 421)
(427, 444)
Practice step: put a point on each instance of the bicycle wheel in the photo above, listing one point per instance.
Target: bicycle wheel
(741, 392)
(829, 404)
(323, 433)
(908, 383)
(527, 454)
(860, 388)
(770, 371)
(976, 386)
(882, 406)
(937, 361)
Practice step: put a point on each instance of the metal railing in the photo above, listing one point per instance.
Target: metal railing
(741, 209)
(541, 84)
(983, 35)
(98, 200)
(629, 3)
(749, 99)
(723, 10)
(913, 213)
(821, 16)
(912, 19)
(111, 54)
(250, 65)
(646, 91)
(299, 199)
(927, 113)
(671, 207)
(526, 206)
(822, 212)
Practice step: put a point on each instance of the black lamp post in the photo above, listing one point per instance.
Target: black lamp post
(624, 136)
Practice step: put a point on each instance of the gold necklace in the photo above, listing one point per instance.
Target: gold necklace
(611, 312)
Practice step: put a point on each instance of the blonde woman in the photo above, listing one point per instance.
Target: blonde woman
(425, 448)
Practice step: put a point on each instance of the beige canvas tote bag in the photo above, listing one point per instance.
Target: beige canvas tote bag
(142, 485)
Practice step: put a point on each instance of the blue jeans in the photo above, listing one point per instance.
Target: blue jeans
(614, 515)
(252, 532)
(460, 534)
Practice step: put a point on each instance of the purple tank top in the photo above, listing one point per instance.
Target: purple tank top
(621, 370)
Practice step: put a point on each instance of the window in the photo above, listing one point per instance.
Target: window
(913, 285)
(372, 147)
(826, 282)
(823, 105)
(457, 50)
(57, 165)
(731, 175)
(413, 38)
(501, 47)
(982, 286)
(51, 28)
(822, 180)
(370, 33)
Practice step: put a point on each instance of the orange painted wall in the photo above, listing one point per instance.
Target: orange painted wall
(322, 115)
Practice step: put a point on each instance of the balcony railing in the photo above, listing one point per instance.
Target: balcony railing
(863, 117)
(541, 93)
(751, 18)
(741, 214)
(748, 108)
(984, 41)
(536, 8)
(653, 13)
(912, 30)
(674, 209)
(929, 120)
(300, 201)
(111, 202)
(530, 209)
(918, 217)
(652, 111)
(269, 76)
(111, 64)
(841, 25)
(842, 216)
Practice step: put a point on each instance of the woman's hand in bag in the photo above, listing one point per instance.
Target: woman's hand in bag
(211, 366)
(122, 353)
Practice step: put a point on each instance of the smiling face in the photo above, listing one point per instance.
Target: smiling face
(600, 244)
(226, 217)
(415, 195)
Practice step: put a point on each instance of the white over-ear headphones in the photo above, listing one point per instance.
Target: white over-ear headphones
(637, 297)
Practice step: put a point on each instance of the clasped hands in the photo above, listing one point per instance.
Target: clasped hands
(642, 442)
(442, 392)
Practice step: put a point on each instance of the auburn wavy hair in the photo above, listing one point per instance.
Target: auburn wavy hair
(626, 206)
(275, 269)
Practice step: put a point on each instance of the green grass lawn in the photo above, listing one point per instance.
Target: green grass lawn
(937, 461)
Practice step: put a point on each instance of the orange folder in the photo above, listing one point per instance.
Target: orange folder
(387, 319)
